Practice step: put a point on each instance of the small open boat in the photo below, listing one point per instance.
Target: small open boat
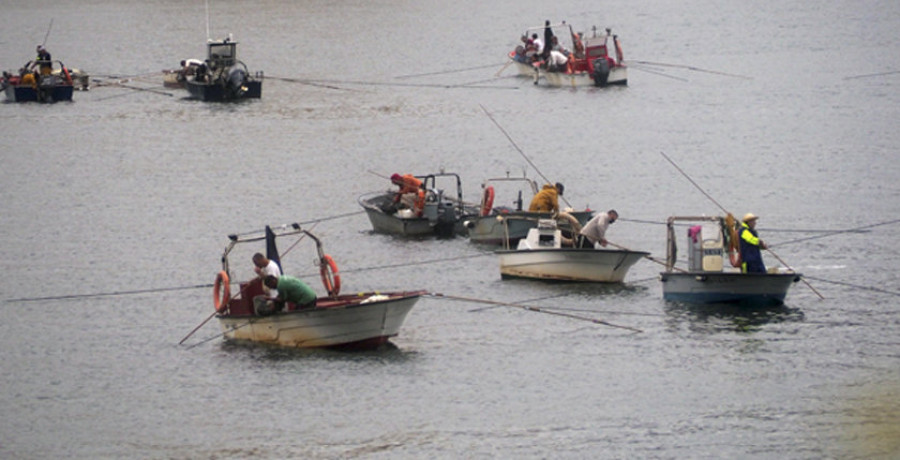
(541, 255)
(508, 224)
(222, 77)
(440, 214)
(590, 61)
(363, 320)
(706, 278)
(28, 86)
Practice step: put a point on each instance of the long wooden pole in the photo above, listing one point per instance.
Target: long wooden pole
(511, 141)
(726, 212)
(652, 259)
(535, 309)
(198, 327)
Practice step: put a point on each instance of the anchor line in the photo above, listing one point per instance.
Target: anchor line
(534, 309)
(857, 286)
(209, 285)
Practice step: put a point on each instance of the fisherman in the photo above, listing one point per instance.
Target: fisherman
(547, 200)
(548, 40)
(43, 60)
(265, 267)
(750, 246)
(410, 194)
(557, 61)
(595, 230)
(291, 290)
(538, 45)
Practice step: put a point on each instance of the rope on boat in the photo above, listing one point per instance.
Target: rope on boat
(690, 67)
(534, 309)
(444, 72)
(109, 294)
(381, 83)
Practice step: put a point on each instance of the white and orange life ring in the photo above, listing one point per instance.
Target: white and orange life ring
(487, 200)
(330, 276)
(221, 299)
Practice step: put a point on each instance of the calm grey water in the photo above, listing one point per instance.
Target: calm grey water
(126, 190)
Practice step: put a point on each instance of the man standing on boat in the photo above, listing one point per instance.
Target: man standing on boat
(750, 246)
(547, 200)
(291, 290)
(43, 60)
(595, 230)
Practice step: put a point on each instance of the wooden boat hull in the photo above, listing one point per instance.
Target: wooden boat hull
(214, 92)
(617, 76)
(492, 229)
(27, 93)
(753, 289)
(568, 264)
(348, 321)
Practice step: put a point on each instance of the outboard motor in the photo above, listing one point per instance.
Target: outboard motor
(601, 71)
(235, 81)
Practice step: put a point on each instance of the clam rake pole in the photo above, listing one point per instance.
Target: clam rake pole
(511, 141)
(651, 259)
(801, 278)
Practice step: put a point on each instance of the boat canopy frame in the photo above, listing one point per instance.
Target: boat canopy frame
(278, 232)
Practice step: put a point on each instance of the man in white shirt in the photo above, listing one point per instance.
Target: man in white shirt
(265, 267)
(595, 230)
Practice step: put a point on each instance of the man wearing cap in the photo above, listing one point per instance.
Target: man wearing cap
(547, 200)
(750, 246)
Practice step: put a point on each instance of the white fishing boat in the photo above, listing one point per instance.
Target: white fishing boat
(362, 320)
(508, 221)
(706, 279)
(542, 255)
(597, 60)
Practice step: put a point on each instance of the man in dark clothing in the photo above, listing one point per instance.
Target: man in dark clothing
(750, 246)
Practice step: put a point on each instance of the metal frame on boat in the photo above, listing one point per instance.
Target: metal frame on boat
(541, 255)
(706, 279)
(362, 320)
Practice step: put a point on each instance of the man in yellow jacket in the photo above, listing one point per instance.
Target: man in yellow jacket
(547, 200)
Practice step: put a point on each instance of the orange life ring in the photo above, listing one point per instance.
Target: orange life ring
(66, 73)
(330, 276)
(220, 301)
(734, 244)
(487, 200)
(735, 257)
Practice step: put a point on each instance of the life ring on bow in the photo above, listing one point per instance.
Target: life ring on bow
(221, 299)
(330, 276)
(487, 200)
(65, 72)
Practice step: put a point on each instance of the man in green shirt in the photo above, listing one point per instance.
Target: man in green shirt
(291, 290)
